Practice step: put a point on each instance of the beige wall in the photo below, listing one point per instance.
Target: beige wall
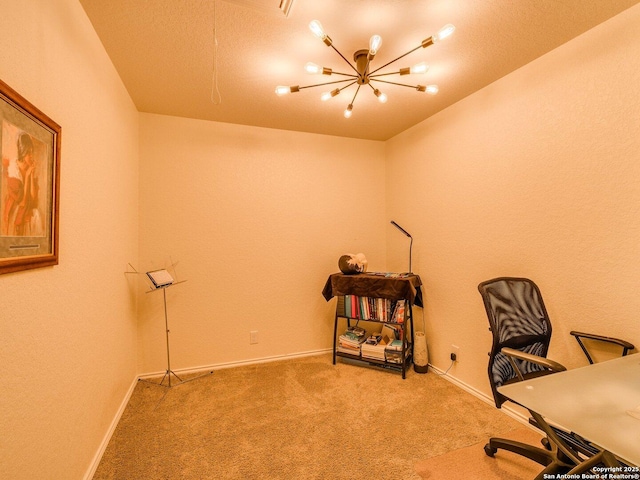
(67, 333)
(536, 175)
(257, 219)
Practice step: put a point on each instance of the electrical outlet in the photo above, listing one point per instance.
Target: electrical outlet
(253, 337)
(455, 353)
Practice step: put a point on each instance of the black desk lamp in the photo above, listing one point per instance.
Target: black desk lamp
(408, 235)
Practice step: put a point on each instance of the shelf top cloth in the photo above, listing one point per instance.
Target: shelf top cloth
(374, 285)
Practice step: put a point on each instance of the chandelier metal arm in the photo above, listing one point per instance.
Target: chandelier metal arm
(374, 77)
(343, 57)
(392, 83)
(330, 83)
(347, 86)
(355, 94)
(351, 75)
(396, 59)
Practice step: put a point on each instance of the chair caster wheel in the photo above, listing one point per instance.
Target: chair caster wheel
(489, 450)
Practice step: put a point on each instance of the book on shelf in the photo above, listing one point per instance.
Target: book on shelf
(374, 346)
(393, 351)
(393, 356)
(374, 339)
(350, 341)
(373, 351)
(374, 308)
(353, 337)
(378, 339)
(398, 313)
(346, 349)
(355, 332)
(394, 346)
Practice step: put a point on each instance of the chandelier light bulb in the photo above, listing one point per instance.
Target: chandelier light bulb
(348, 111)
(316, 27)
(375, 42)
(432, 89)
(283, 90)
(327, 95)
(382, 97)
(445, 32)
(421, 67)
(313, 68)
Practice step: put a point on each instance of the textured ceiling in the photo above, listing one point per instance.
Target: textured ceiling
(164, 52)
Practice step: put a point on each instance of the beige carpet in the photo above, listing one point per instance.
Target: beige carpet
(472, 463)
(305, 419)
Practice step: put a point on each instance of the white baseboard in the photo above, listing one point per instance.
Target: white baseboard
(506, 409)
(112, 428)
(239, 363)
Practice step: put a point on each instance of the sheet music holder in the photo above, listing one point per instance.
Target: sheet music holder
(160, 278)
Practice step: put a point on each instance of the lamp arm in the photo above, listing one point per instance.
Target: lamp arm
(401, 229)
(410, 243)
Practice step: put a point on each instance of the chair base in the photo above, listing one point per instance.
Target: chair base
(545, 457)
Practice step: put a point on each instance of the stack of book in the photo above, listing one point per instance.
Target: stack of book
(393, 351)
(351, 340)
(374, 347)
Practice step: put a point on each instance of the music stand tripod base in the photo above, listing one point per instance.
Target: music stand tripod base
(167, 376)
(169, 372)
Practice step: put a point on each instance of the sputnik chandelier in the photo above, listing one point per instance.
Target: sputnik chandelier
(362, 75)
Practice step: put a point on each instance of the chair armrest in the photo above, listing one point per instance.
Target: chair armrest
(512, 353)
(626, 346)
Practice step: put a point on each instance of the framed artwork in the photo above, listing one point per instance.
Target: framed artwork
(29, 184)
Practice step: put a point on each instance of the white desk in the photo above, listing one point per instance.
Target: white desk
(591, 401)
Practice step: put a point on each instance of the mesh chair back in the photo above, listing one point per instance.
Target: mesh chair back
(517, 319)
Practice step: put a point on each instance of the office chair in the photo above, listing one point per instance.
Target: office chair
(521, 331)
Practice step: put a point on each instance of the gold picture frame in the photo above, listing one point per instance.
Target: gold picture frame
(29, 184)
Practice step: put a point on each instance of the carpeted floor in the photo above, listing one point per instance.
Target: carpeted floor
(472, 463)
(304, 419)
